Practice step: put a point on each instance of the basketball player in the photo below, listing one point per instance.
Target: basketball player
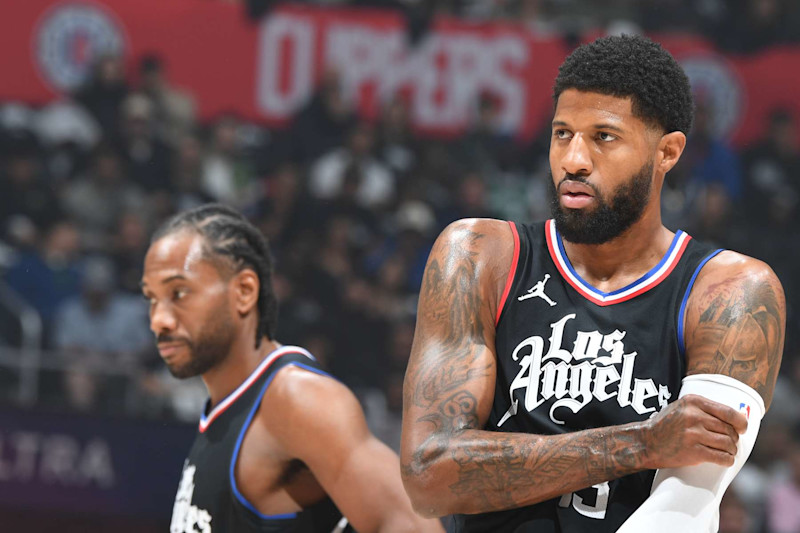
(556, 366)
(281, 445)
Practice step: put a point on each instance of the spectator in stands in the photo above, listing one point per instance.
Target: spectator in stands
(103, 93)
(96, 200)
(148, 159)
(98, 330)
(709, 172)
(772, 168)
(375, 187)
(323, 124)
(772, 196)
(484, 148)
(286, 209)
(49, 274)
(733, 515)
(359, 357)
(227, 172)
(129, 246)
(471, 199)
(752, 25)
(24, 191)
(187, 175)
(174, 109)
(68, 132)
(783, 503)
(396, 145)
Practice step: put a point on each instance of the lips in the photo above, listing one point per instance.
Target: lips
(575, 195)
(167, 349)
(575, 188)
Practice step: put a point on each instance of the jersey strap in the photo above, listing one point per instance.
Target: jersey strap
(263, 367)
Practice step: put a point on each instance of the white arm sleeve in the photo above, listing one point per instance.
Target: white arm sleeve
(687, 499)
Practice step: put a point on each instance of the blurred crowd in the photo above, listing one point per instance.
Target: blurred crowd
(351, 208)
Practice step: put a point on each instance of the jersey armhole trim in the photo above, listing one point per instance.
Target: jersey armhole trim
(682, 311)
(511, 274)
(240, 439)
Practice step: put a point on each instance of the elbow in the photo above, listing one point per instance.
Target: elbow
(423, 484)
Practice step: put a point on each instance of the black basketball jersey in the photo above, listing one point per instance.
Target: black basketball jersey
(570, 357)
(208, 499)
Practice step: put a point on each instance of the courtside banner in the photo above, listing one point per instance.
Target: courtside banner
(90, 465)
(267, 70)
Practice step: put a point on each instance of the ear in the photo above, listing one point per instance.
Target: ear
(246, 287)
(669, 151)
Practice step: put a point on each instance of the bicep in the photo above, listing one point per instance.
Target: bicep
(735, 324)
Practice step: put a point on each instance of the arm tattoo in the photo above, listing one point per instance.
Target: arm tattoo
(450, 298)
(739, 332)
(497, 471)
(486, 471)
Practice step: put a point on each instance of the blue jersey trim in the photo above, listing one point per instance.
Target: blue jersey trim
(682, 312)
(239, 440)
(641, 280)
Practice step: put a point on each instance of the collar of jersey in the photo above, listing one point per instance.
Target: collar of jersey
(206, 419)
(652, 278)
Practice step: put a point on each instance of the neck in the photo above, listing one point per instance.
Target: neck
(241, 361)
(624, 259)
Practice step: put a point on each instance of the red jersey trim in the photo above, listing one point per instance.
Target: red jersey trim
(511, 273)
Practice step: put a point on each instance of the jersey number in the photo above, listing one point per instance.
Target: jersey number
(579, 501)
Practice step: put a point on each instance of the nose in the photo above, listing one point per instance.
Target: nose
(577, 160)
(162, 319)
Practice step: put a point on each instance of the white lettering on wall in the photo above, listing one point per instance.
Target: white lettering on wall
(56, 459)
(445, 73)
(282, 88)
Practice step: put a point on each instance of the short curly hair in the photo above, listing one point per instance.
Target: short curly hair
(632, 66)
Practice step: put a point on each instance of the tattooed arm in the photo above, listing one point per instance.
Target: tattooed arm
(736, 321)
(449, 464)
(734, 327)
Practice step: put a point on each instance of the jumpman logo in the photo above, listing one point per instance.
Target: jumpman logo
(537, 291)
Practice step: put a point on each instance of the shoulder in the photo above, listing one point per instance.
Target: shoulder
(469, 230)
(301, 404)
(488, 241)
(730, 273)
(735, 322)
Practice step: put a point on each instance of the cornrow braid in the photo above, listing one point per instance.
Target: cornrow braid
(229, 235)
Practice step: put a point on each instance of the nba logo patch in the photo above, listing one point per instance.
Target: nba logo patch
(743, 407)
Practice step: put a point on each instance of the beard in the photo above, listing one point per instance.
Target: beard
(208, 350)
(609, 219)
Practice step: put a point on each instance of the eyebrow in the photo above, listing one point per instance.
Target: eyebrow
(607, 126)
(173, 277)
(600, 126)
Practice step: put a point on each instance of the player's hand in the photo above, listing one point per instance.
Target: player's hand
(693, 430)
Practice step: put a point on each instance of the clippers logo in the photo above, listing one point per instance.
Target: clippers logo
(69, 39)
(744, 408)
(715, 82)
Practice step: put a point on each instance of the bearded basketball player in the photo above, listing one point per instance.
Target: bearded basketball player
(598, 371)
(281, 446)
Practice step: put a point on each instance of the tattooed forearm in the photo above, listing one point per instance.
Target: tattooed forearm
(739, 331)
(494, 471)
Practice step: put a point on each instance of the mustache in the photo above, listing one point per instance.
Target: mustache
(164, 338)
(576, 178)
